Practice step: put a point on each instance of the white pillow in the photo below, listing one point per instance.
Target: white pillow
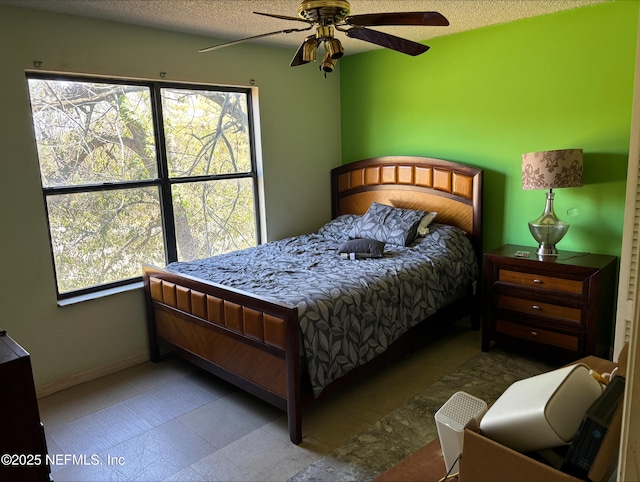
(423, 227)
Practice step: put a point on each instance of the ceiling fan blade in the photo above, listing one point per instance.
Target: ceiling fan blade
(234, 42)
(282, 17)
(405, 46)
(398, 18)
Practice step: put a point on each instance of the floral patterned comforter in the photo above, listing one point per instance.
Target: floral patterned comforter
(349, 310)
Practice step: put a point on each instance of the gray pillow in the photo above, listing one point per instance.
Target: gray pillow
(361, 248)
(340, 227)
(388, 224)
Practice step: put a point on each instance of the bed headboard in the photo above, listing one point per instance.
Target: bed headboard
(453, 190)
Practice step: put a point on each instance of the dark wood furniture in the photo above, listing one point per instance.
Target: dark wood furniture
(560, 305)
(23, 447)
(253, 342)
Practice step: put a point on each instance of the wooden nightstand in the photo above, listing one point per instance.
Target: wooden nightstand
(561, 305)
(23, 446)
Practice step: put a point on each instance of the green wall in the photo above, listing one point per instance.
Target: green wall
(487, 96)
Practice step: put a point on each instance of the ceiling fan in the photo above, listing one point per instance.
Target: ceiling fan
(330, 15)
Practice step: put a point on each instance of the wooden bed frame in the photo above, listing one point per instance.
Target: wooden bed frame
(254, 343)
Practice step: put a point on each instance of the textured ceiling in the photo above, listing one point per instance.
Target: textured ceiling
(233, 19)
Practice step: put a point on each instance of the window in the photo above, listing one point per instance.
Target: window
(141, 172)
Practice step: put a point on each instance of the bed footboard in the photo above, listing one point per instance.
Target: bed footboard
(251, 342)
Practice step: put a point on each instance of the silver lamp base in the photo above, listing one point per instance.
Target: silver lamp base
(548, 230)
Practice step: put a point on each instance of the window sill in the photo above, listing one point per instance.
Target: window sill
(100, 294)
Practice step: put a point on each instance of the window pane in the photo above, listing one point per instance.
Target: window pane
(104, 180)
(103, 237)
(207, 132)
(92, 133)
(214, 217)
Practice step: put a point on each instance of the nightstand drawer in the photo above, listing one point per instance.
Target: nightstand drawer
(539, 308)
(529, 333)
(540, 281)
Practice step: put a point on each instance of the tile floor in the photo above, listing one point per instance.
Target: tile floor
(172, 421)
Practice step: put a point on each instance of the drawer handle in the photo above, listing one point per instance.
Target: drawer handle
(538, 281)
(534, 333)
(535, 307)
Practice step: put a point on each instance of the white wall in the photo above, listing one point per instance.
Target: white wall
(300, 130)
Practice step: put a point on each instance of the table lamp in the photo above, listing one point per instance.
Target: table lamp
(550, 170)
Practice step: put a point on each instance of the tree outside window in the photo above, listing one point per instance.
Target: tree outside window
(141, 172)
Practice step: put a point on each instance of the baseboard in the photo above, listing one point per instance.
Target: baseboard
(88, 375)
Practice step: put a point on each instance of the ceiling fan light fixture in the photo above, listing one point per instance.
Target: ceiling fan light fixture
(334, 48)
(324, 32)
(327, 63)
(309, 50)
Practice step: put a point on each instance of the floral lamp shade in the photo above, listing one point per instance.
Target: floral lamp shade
(552, 169)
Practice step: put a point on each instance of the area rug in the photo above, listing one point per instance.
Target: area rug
(412, 425)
